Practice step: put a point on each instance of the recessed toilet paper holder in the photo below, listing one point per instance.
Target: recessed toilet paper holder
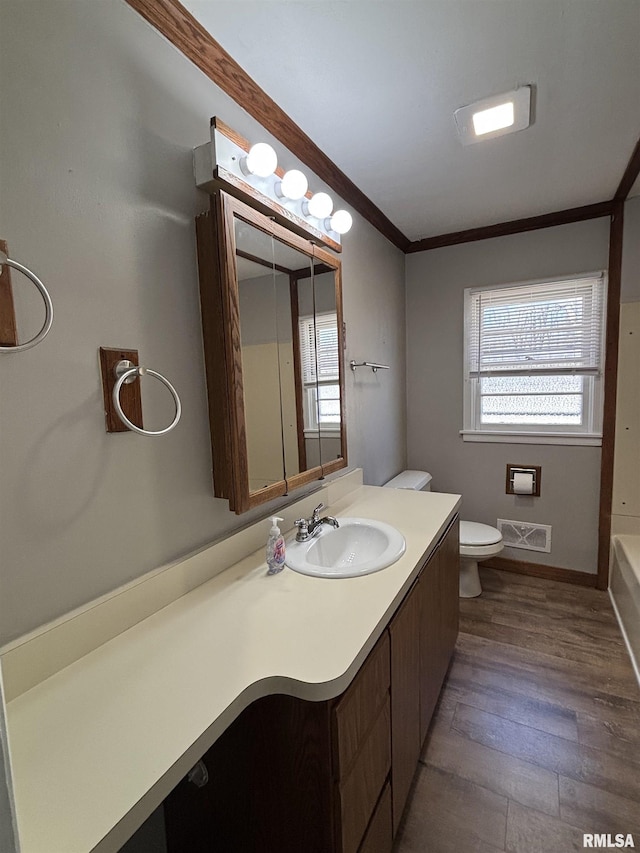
(535, 471)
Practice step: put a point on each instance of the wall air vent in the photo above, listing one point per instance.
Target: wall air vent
(525, 534)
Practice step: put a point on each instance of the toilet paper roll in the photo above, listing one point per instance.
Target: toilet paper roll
(523, 484)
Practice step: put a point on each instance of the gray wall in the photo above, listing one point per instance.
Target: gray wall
(99, 118)
(375, 318)
(570, 475)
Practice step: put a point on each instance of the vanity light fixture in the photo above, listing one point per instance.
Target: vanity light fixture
(261, 160)
(340, 222)
(294, 185)
(319, 205)
(251, 171)
(495, 116)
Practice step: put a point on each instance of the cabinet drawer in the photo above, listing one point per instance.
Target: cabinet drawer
(359, 792)
(379, 837)
(360, 705)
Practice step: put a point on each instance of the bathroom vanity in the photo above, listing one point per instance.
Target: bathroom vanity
(292, 775)
(308, 697)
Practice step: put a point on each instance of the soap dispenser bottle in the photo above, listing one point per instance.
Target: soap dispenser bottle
(275, 548)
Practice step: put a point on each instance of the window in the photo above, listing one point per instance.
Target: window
(320, 372)
(533, 361)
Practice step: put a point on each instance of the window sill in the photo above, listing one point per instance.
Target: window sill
(324, 433)
(516, 437)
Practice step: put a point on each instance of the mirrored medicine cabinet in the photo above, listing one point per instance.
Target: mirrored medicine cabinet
(273, 339)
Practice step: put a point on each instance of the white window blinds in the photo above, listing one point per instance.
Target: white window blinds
(319, 350)
(550, 328)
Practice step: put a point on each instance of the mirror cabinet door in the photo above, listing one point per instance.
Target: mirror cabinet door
(328, 407)
(300, 439)
(272, 326)
(330, 347)
(259, 304)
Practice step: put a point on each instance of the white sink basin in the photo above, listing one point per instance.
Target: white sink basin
(360, 546)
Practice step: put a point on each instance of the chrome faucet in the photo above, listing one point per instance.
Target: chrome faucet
(309, 527)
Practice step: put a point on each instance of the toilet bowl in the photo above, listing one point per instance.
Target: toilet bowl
(477, 541)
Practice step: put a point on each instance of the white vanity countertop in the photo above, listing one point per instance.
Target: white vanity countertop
(97, 746)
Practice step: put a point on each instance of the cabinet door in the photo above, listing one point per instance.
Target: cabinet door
(428, 592)
(359, 706)
(439, 607)
(449, 590)
(269, 785)
(378, 838)
(404, 630)
(362, 745)
(360, 791)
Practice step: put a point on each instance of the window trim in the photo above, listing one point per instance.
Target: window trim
(593, 394)
(585, 438)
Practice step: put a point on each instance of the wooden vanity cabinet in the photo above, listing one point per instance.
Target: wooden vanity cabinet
(404, 632)
(423, 634)
(439, 609)
(329, 777)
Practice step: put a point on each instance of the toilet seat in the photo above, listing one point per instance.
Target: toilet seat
(479, 541)
(474, 534)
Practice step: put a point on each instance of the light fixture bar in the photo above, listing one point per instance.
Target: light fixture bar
(227, 162)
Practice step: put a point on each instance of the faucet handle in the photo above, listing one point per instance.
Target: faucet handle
(316, 513)
(303, 529)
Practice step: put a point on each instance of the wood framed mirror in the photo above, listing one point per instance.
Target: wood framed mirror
(274, 356)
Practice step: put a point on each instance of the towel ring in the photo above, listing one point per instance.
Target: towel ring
(128, 372)
(48, 304)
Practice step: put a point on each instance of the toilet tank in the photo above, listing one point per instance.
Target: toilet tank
(419, 481)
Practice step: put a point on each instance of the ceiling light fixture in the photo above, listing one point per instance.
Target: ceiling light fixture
(495, 116)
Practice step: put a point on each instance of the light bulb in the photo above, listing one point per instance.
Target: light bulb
(340, 222)
(496, 118)
(293, 185)
(319, 205)
(260, 161)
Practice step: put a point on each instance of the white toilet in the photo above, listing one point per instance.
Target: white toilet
(477, 541)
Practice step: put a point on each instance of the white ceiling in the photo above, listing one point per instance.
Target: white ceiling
(374, 83)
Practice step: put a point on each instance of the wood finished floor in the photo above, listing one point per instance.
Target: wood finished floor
(536, 738)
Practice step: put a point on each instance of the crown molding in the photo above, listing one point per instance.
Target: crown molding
(516, 226)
